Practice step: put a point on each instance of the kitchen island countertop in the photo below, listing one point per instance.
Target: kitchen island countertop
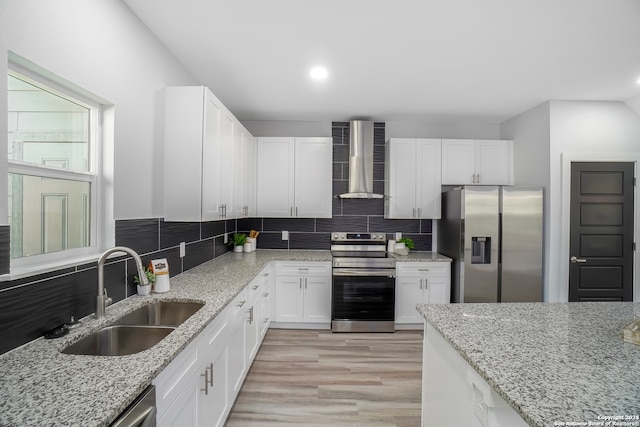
(553, 363)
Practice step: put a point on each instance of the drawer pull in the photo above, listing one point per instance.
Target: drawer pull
(241, 303)
(423, 269)
(255, 287)
(265, 295)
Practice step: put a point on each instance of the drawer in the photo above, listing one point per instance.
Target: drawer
(421, 269)
(173, 379)
(212, 338)
(302, 268)
(239, 304)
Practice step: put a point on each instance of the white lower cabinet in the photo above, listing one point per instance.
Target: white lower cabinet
(420, 283)
(199, 386)
(454, 394)
(303, 292)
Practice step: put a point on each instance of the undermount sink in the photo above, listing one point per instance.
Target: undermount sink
(137, 331)
(119, 340)
(165, 313)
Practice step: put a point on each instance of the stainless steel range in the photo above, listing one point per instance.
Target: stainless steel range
(363, 297)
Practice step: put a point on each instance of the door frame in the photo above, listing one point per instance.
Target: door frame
(567, 159)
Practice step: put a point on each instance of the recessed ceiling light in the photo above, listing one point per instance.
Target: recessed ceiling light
(318, 73)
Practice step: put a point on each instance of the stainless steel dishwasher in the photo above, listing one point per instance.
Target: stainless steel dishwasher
(141, 413)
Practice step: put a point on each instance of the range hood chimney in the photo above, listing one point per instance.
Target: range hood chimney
(361, 162)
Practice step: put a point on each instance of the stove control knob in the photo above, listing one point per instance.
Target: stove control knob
(381, 236)
(342, 236)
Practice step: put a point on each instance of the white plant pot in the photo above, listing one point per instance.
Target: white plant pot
(237, 248)
(144, 290)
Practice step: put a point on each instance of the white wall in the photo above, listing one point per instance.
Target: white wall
(424, 129)
(101, 46)
(530, 133)
(287, 128)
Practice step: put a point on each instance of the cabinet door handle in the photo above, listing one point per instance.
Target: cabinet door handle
(305, 283)
(296, 211)
(419, 213)
(241, 303)
(265, 274)
(577, 260)
(291, 211)
(414, 213)
(211, 374)
(266, 295)
(426, 284)
(301, 283)
(206, 379)
(255, 287)
(478, 178)
(266, 320)
(250, 312)
(420, 283)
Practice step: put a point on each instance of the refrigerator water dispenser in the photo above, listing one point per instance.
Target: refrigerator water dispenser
(480, 250)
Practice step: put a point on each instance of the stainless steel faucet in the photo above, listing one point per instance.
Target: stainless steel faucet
(103, 300)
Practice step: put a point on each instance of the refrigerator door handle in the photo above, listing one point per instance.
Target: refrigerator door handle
(577, 260)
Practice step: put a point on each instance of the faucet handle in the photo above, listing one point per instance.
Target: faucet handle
(107, 300)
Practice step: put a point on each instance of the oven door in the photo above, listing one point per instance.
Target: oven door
(363, 295)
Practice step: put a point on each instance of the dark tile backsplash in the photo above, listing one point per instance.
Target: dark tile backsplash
(31, 306)
(71, 291)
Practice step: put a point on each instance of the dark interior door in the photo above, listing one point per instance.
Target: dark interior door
(601, 264)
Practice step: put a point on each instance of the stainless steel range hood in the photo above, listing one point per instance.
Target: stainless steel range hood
(361, 162)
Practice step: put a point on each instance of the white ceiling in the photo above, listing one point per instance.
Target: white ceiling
(479, 61)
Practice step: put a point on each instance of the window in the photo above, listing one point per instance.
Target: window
(54, 171)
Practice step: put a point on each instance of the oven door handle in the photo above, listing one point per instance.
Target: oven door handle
(364, 272)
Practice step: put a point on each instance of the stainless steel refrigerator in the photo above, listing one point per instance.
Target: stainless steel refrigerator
(494, 236)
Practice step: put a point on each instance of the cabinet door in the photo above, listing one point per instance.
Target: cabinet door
(184, 410)
(238, 170)
(211, 159)
(227, 164)
(182, 153)
(493, 162)
(313, 177)
(409, 293)
(214, 401)
(275, 195)
(252, 323)
(317, 299)
(237, 349)
(438, 290)
(249, 176)
(400, 180)
(458, 161)
(428, 178)
(289, 306)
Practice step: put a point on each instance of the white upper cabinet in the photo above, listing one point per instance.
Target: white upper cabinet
(204, 155)
(294, 177)
(483, 162)
(413, 178)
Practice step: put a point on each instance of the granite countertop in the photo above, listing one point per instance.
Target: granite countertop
(553, 363)
(41, 386)
(421, 257)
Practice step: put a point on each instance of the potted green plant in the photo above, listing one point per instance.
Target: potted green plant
(407, 242)
(403, 246)
(145, 289)
(238, 240)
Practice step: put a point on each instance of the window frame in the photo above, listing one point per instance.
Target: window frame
(99, 174)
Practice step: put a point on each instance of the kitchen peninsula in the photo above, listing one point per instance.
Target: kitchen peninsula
(552, 364)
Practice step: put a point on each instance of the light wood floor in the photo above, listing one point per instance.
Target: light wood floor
(317, 378)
